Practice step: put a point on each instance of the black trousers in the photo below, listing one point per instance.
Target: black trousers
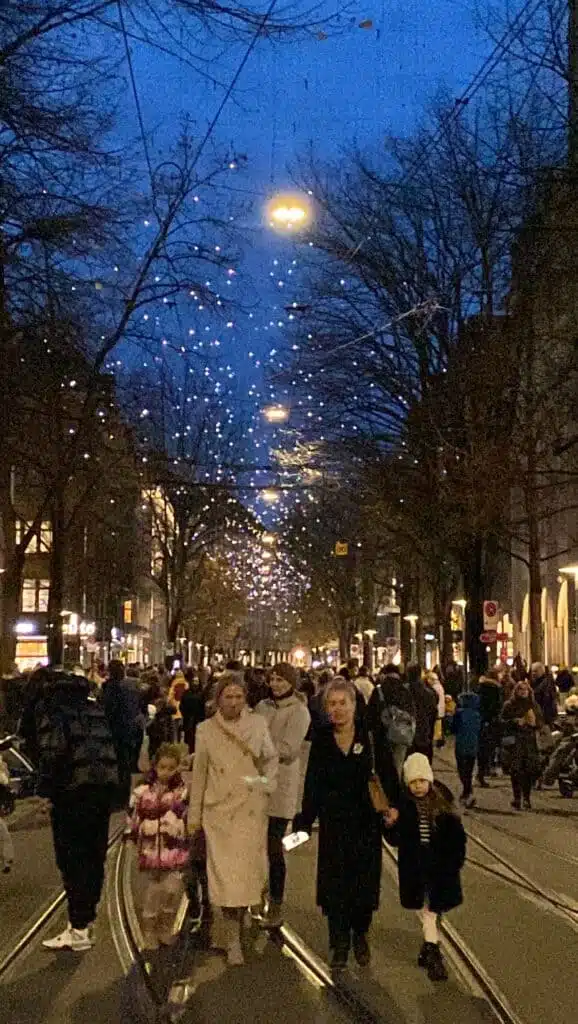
(343, 922)
(276, 854)
(80, 824)
(465, 766)
(521, 785)
(487, 744)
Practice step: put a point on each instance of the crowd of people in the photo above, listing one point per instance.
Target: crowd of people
(229, 761)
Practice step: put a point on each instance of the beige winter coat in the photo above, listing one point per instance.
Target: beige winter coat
(233, 811)
(288, 722)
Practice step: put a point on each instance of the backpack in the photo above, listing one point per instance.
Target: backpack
(399, 725)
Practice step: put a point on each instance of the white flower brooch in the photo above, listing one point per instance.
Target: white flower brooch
(358, 748)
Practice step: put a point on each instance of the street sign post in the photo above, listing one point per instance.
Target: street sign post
(489, 637)
(491, 615)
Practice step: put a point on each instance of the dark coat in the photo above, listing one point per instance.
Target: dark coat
(161, 730)
(523, 755)
(491, 699)
(546, 698)
(192, 708)
(426, 714)
(74, 739)
(336, 792)
(467, 724)
(429, 875)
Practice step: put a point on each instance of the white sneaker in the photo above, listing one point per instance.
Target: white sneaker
(76, 939)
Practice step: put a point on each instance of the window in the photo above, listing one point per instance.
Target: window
(35, 594)
(41, 541)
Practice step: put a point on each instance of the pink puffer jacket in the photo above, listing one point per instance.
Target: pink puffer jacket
(158, 824)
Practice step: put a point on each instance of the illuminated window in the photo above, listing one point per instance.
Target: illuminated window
(41, 541)
(35, 594)
(127, 612)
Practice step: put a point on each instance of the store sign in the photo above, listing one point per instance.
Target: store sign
(342, 549)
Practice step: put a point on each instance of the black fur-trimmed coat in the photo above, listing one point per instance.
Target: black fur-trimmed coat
(429, 875)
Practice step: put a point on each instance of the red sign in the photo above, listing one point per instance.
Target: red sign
(503, 637)
(490, 637)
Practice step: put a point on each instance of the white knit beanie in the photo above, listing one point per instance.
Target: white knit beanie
(417, 766)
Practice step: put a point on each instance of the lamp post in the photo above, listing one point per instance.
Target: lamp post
(276, 413)
(289, 212)
(371, 634)
(412, 619)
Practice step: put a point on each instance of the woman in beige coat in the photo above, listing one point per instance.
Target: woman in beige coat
(288, 720)
(234, 771)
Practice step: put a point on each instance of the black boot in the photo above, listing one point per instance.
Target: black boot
(361, 950)
(422, 958)
(436, 968)
(339, 958)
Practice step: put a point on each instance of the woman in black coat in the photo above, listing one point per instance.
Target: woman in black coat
(522, 718)
(349, 856)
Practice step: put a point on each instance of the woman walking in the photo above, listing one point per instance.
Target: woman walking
(288, 720)
(337, 792)
(234, 771)
(522, 718)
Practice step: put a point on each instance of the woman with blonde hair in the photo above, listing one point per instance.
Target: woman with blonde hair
(234, 771)
(337, 791)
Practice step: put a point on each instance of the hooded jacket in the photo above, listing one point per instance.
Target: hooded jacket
(74, 738)
(157, 823)
(467, 724)
(491, 698)
(288, 720)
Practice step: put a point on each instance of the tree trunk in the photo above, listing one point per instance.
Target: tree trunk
(474, 583)
(12, 579)
(535, 580)
(56, 594)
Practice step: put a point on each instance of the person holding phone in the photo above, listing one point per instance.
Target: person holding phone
(234, 771)
(350, 829)
(288, 720)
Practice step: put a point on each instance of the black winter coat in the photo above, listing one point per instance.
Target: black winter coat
(74, 740)
(426, 714)
(429, 875)
(336, 792)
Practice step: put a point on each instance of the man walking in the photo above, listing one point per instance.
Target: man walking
(78, 773)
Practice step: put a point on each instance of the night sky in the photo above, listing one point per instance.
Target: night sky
(356, 87)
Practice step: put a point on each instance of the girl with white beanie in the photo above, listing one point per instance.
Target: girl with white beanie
(431, 845)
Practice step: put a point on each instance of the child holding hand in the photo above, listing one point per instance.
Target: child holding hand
(158, 824)
(431, 845)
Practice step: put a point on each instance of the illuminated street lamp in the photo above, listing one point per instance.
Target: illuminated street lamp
(268, 539)
(270, 496)
(412, 619)
(290, 212)
(276, 413)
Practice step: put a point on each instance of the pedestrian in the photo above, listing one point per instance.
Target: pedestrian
(391, 714)
(78, 773)
(192, 709)
(491, 696)
(564, 679)
(467, 724)
(522, 718)
(123, 706)
(431, 844)
(234, 772)
(349, 850)
(288, 720)
(157, 822)
(363, 682)
(433, 680)
(426, 712)
(162, 729)
(6, 806)
(545, 692)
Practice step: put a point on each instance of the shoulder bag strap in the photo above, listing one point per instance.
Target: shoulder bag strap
(239, 743)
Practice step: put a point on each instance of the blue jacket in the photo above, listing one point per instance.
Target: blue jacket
(467, 724)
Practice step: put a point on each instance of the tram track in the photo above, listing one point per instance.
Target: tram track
(9, 957)
(465, 963)
(127, 937)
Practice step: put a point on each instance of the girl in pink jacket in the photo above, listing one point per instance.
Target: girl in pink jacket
(158, 824)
